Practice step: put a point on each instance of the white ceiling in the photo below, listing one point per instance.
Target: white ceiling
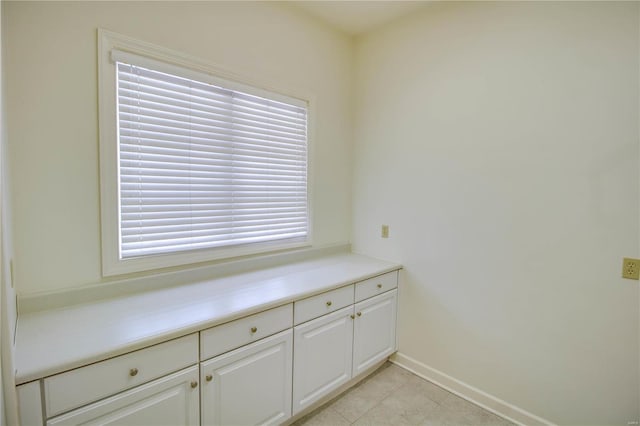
(357, 17)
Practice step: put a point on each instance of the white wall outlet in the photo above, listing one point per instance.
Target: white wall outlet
(631, 268)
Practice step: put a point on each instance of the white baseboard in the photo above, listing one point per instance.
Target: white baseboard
(468, 392)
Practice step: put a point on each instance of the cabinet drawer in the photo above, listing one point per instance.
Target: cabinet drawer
(87, 384)
(376, 285)
(169, 400)
(325, 303)
(234, 334)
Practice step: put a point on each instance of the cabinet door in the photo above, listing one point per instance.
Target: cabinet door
(323, 356)
(30, 404)
(249, 386)
(374, 335)
(171, 400)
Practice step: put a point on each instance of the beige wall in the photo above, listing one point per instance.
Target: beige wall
(8, 314)
(500, 143)
(52, 102)
(3, 420)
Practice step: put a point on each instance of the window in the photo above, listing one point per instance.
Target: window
(195, 167)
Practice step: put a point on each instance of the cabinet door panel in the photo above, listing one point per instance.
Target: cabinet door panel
(374, 330)
(169, 401)
(251, 385)
(30, 404)
(322, 357)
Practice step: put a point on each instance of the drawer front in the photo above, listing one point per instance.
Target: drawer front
(234, 334)
(87, 384)
(325, 303)
(376, 285)
(169, 400)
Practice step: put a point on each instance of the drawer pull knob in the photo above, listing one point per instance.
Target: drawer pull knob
(359, 314)
(254, 329)
(352, 316)
(379, 285)
(329, 303)
(209, 377)
(133, 372)
(194, 384)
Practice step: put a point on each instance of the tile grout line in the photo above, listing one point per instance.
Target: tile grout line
(406, 381)
(381, 399)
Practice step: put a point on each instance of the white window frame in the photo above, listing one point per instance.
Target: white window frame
(112, 264)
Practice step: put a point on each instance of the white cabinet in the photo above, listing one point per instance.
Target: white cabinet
(374, 336)
(322, 304)
(258, 369)
(336, 347)
(223, 338)
(250, 385)
(323, 358)
(30, 404)
(171, 400)
(138, 388)
(376, 285)
(85, 385)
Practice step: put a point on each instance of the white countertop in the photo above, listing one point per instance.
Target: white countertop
(50, 342)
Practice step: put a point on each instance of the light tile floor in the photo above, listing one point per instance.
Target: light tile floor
(394, 396)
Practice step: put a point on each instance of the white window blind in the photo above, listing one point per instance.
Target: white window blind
(202, 165)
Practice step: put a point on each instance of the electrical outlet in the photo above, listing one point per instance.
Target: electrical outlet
(385, 231)
(631, 268)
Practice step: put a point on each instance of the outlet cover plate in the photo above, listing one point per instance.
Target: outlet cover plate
(631, 268)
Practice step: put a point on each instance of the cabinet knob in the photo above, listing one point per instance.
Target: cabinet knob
(379, 285)
(359, 314)
(352, 316)
(209, 377)
(194, 384)
(329, 303)
(254, 329)
(133, 372)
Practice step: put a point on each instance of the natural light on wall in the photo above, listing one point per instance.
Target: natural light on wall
(203, 164)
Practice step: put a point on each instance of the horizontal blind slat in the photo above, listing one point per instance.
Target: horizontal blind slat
(163, 208)
(215, 235)
(135, 114)
(178, 233)
(176, 215)
(177, 83)
(220, 243)
(206, 132)
(206, 148)
(197, 150)
(148, 136)
(130, 91)
(163, 101)
(223, 216)
(178, 112)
